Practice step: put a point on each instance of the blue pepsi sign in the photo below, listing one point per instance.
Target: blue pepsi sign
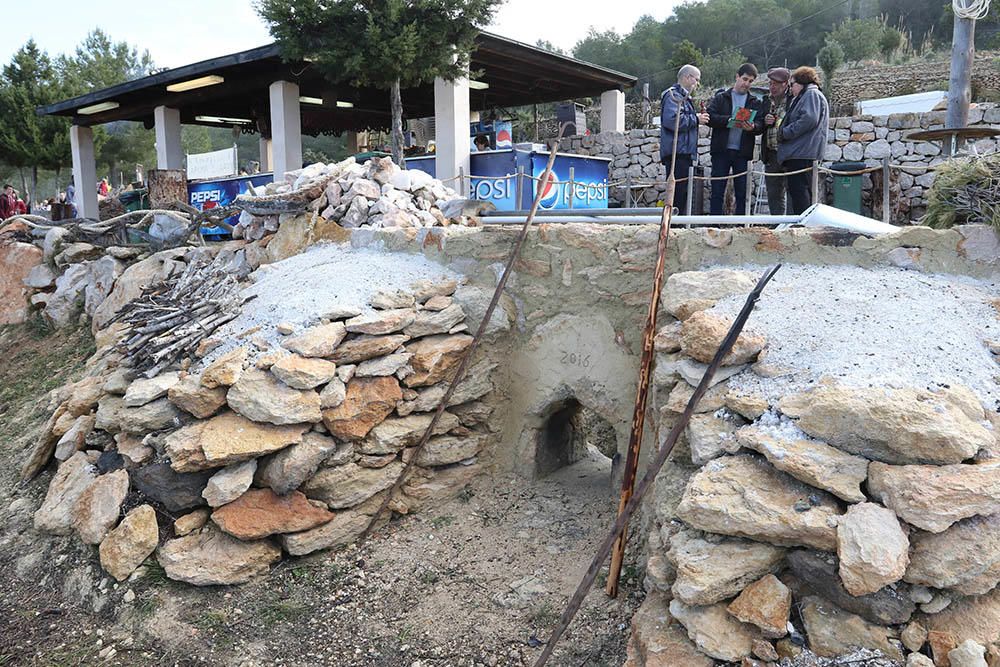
(589, 188)
(205, 195)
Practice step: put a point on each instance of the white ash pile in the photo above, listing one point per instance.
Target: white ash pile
(375, 194)
(286, 443)
(809, 512)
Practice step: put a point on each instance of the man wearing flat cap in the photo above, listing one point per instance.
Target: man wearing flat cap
(774, 108)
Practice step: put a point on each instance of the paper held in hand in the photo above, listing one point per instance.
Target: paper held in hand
(742, 118)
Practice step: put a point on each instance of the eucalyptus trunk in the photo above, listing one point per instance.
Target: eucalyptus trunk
(397, 123)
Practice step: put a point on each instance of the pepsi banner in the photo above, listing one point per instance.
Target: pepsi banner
(588, 190)
(205, 195)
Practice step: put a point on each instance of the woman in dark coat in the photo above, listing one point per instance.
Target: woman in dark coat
(802, 135)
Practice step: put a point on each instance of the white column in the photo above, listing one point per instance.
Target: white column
(612, 111)
(451, 118)
(286, 128)
(169, 154)
(266, 155)
(81, 141)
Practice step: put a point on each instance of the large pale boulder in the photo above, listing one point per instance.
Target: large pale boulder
(396, 433)
(72, 478)
(225, 439)
(435, 358)
(302, 372)
(711, 568)
(190, 395)
(127, 546)
(934, 497)
(381, 366)
(75, 438)
(702, 335)
(766, 604)
(212, 558)
(350, 484)
(99, 506)
(704, 288)
(658, 642)
(359, 349)
(448, 449)
(475, 384)
(899, 426)
(317, 341)
(833, 631)
(381, 322)
(286, 470)
(974, 617)
(714, 632)
(101, 277)
(17, 259)
(430, 322)
(744, 496)
(709, 436)
(230, 483)
(811, 461)
(64, 306)
(261, 397)
(367, 402)
(157, 415)
(154, 269)
(226, 370)
(964, 558)
(146, 390)
(872, 547)
(345, 527)
(261, 512)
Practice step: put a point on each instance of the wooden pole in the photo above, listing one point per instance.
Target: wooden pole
(963, 49)
(645, 364)
(661, 457)
(815, 182)
(886, 214)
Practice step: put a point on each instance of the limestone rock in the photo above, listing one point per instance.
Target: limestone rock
(702, 335)
(43, 448)
(435, 358)
(344, 528)
(318, 341)
(226, 370)
(668, 338)
(157, 415)
(746, 497)
(428, 486)
(713, 568)
(766, 604)
(74, 439)
(900, 426)
(133, 449)
(130, 284)
(968, 654)
(964, 558)
(302, 372)
(889, 606)
(705, 287)
(387, 300)
(286, 470)
(260, 397)
(475, 384)
(212, 558)
(438, 303)
(261, 512)
(381, 322)
(934, 497)
(913, 636)
(109, 413)
(747, 405)
(99, 506)
(230, 483)
(143, 390)
(349, 485)
(176, 491)
(711, 401)
(362, 348)
(658, 642)
(975, 617)
(84, 396)
(918, 660)
(368, 401)
(225, 439)
(193, 397)
(693, 372)
(710, 437)
(872, 548)
(423, 290)
(810, 461)
(69, 483)
(429, 322)
(383, 366)
(475, 300)
(714, 632)
(448, 449)
(333, 394)
(191, 522)
(833, 631)
(65, 304)
(396, 433)
(941, 643)
(127, 546)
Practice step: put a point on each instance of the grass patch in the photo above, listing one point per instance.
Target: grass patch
(428, 577)
(155, 575)
(211, 620)
(442, 521)
(280, 611)
(543, 615)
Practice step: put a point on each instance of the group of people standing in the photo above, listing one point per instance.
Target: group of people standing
(791, 120)
(11, 203)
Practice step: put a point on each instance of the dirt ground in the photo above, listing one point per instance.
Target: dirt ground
(479, 580)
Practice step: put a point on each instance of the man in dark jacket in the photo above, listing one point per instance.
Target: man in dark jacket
(676, 101)
(732, 138)
(775, 108)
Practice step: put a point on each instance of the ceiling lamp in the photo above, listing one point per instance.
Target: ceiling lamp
(97, 108)
(345, 105)
(191, 84)
(222, 119)
(311, 100)
(478, 85)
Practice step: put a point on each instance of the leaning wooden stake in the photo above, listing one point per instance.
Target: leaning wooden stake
(467, 357)
(654, 468)
(645, 364)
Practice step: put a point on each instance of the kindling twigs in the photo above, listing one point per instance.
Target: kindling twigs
(646, 362)
(467, 357)
(661, 457)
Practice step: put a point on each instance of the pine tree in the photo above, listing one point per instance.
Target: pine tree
(388, 44)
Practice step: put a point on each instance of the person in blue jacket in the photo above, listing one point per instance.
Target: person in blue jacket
(677, 100)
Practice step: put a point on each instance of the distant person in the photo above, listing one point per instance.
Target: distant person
(71, 198)
(8, 202)
(802, 134)
(735, 118)
(20, 206)
(775, 108)
(103, 188)
(676, 102)
(482, 142)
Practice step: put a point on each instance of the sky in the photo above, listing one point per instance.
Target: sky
(179, 32)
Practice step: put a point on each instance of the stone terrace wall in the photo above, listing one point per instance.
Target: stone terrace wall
(635, 154)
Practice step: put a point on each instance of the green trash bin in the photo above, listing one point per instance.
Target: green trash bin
(847, 189)
(134, 200)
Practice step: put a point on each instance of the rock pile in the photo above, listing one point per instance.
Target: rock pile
(265, 448)
(830, 520)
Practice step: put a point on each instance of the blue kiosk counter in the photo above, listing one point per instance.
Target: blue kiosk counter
(494, 178)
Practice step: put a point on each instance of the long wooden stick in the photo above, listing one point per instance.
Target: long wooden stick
(661, 457)
(645, 364)
(467, 357)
